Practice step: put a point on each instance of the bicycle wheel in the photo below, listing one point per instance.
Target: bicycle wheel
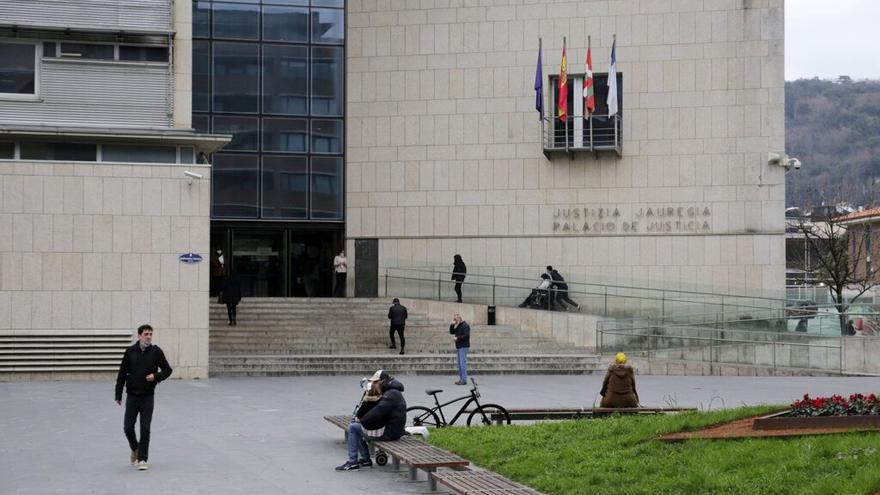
(487, 415)
(422, 416)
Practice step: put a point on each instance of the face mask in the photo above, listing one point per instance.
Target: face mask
(218, 251)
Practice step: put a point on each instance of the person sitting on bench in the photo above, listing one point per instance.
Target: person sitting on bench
(388, 412)
(619, 387)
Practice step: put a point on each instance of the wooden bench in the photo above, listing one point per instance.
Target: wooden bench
(340, 421)
(581, 412)
(480, 483)
(420, 455)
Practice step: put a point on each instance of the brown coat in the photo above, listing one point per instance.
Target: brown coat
(619, 387)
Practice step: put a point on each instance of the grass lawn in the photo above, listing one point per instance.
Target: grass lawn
(619, 455)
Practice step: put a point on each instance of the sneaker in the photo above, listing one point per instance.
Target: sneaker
(401, 352)
(142, 466)
(392, 346)
(133, 457)
(461, 382)
(365, 463)
(350, 466)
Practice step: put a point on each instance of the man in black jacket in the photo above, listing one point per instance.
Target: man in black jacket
(461, 332)
(561, 289)
(397, 315)
(140, 373)
(389, 412)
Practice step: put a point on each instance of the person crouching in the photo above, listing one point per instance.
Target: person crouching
(388, 412)
(619, 386)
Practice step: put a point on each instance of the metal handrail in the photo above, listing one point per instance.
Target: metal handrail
(583, 133)
(592, 284)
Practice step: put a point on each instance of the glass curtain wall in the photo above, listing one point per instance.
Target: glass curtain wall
(271, 74)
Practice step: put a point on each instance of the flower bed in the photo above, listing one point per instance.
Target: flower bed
(858, 411)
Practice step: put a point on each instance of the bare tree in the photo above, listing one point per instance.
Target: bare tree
(840, 258)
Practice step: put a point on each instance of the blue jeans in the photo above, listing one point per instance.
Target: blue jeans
(462, 363)
(357, 443)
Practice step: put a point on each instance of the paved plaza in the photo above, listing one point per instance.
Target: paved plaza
(267, 435)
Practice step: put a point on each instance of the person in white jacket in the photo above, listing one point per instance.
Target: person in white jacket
(340, 266)
(540, 295)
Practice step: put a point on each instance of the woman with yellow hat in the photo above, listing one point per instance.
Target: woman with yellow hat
(619, 387)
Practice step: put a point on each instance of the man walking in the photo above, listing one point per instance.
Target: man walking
(561, 289)
(461, 332)
(140, 373)
(397, 315)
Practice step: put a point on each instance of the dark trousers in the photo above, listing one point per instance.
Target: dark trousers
(458, 290)
(399, 329)
(230, 311)
(339, 290)
(562, 296)
(138, 405)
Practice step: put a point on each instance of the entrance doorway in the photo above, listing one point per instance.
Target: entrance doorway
(277, 260)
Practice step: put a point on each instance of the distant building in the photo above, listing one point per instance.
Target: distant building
(863, 229)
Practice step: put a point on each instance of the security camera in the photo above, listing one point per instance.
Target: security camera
(794, 163)
(192, 175)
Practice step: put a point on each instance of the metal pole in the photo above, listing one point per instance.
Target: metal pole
(566, 101)
(439, 281)
(606, 300)
(493, 290)
(386, 282)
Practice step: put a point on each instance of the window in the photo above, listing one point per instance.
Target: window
(326, 191)
(328, 26)
(236, 21)
(18, 73)
(201, 17)
(201, 123)
(86, 50)
(582, 131)
(50, 49)
(285, 79)
(285, 135)
(326, 136)
(59, 151)
(143, 53)
(327, 81)
(285, 24)
(285, 187)
(236, 77)
(187, 154)
(201, 78)
(244, 130)
(7, 151)
(138, 153)
(235, 184)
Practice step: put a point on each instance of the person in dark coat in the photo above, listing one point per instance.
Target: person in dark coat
(619, 386)
(388, 412)
(143, 367)
(397, 315)
(459, 271)
(461, 332)
(539, 297)
(560, 289)
(232, 296)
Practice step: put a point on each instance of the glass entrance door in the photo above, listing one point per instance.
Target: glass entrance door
(257, 259)
(311, 263)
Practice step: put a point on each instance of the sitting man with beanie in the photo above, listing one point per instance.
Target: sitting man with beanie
(388, 412)
(619, 387)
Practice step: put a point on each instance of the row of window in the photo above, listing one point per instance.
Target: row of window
(105, 51)
(271, 79)
(305, 3)
(275, 135)
(236, 21)
(281, 187)
(86, 152)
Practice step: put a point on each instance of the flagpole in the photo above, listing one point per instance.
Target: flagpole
(590, 112)
(566, 105)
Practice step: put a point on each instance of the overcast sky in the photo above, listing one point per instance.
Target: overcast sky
(831, 38)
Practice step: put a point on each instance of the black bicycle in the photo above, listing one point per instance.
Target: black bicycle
(483, 415)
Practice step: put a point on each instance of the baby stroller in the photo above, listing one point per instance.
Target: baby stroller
(379, 454)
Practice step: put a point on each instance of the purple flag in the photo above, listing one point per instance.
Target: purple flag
(539, 86)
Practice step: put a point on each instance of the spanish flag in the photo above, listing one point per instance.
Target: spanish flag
(563, 87)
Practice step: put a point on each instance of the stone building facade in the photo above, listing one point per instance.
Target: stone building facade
(445, 152)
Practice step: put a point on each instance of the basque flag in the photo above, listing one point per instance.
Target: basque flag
(589, 94)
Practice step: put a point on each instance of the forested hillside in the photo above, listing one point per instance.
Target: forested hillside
(834, 129)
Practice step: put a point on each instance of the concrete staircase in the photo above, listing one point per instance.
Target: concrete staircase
(286, 336)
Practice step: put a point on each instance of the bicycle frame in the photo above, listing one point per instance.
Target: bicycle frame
(473, 397)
